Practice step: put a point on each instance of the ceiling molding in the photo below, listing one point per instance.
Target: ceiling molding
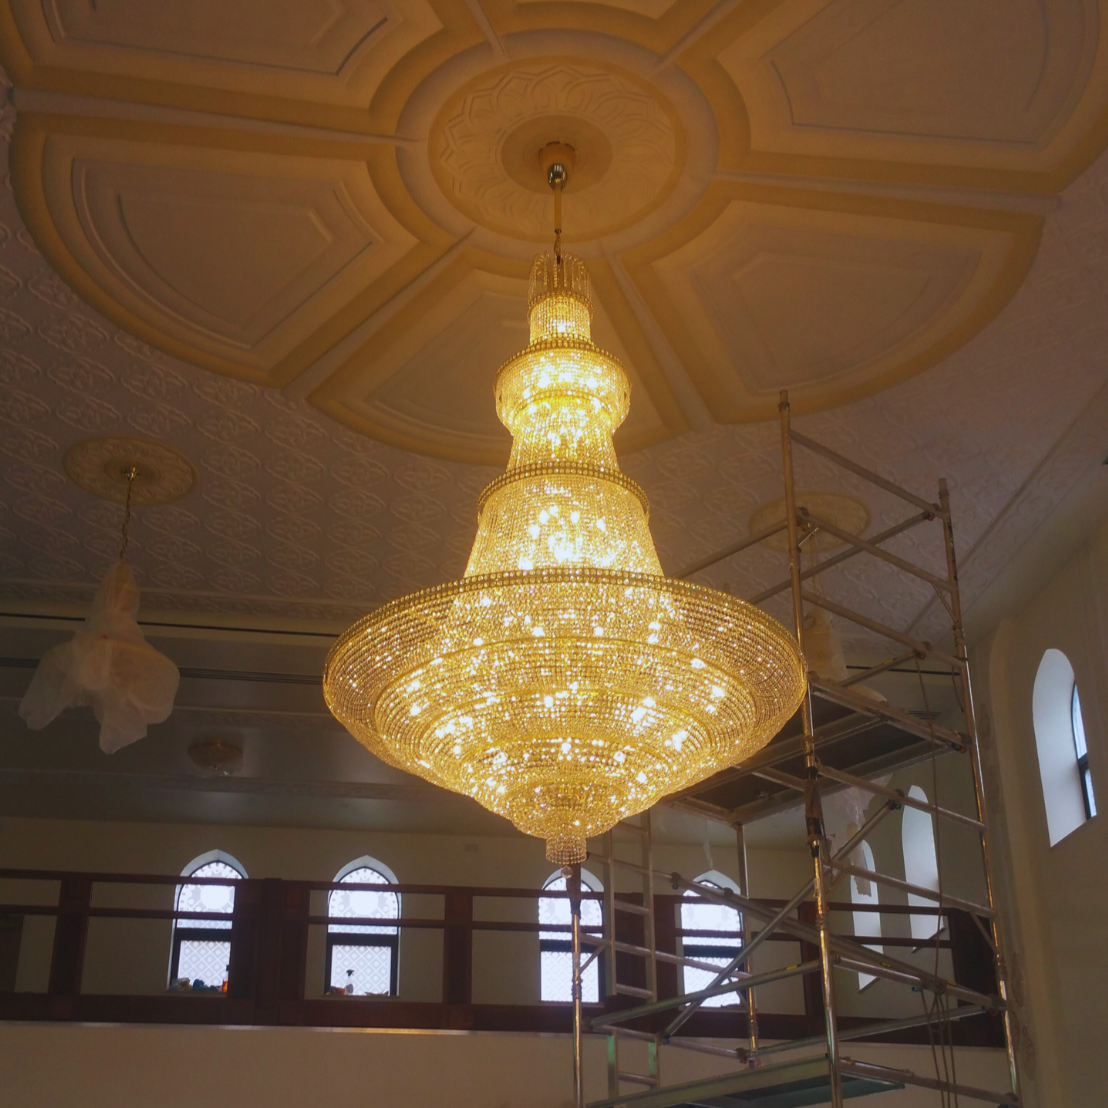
(335, 215)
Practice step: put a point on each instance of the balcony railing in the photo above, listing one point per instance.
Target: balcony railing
(270, 967)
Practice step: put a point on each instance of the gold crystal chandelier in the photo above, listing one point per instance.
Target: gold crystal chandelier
(564, 682)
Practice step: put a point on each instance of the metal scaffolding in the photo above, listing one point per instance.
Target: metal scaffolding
(825, 1075)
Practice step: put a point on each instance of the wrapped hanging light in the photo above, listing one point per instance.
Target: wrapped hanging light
(564, 682)
(108, 664)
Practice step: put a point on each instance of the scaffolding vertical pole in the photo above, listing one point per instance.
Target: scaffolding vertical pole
(573, 887)
(650, 939)
(609, 924)
(813, 811)
(744, 888)
(962, 655)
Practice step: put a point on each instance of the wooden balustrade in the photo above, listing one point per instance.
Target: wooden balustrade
(269, 943)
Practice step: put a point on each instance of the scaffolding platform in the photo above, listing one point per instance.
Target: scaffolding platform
(784, 1085)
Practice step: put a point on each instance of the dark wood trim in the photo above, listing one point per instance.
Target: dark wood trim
(67, 963)
(457, 950)
(268, 934)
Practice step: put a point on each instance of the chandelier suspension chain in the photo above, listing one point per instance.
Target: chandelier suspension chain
(131, 472)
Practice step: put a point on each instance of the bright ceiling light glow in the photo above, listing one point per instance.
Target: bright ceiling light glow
(564, 682)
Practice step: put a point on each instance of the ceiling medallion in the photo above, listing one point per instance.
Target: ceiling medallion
(564, 682)
(103, 466)
(627, 136)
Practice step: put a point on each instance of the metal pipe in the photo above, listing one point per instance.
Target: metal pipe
(727, 552)
(916, 979)
(609, 1018)
(869, 1069)
(744, 888)
(876, 551)
(978, 777)
(869, 475)
(837, 559)
(931, 732)
(876, 671)
(869, 1030)
(813, 811)
(573, 887)
(845, 948)
(770, 928)
(899, 797)
(917, 645)
(943, 899)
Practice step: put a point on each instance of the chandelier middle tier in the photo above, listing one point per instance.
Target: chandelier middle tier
(564, 682)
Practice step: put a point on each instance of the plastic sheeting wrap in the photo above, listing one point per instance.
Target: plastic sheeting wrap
(109, 665)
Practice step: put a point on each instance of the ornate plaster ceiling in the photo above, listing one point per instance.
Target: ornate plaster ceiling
(340, 200)
(301, 275)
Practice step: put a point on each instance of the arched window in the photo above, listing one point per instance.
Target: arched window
(863, 891)
(201, 949)
(556, 947)
(364, 956)
(1060, 743)
(700, 915)
(921, 864)
(1077, 724)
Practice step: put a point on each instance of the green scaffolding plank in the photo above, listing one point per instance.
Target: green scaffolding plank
(785, 1085)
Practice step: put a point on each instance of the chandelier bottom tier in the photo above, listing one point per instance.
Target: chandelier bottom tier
(563, 682)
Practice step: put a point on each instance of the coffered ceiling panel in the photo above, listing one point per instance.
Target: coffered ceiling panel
(823, 301)
(969, 83)
(824, 195)
(239, 259)
(333, 50)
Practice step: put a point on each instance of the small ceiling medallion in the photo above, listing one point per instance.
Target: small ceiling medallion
(846, 513)
(216, 757)
(102, 466)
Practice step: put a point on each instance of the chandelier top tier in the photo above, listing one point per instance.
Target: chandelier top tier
(564, 682)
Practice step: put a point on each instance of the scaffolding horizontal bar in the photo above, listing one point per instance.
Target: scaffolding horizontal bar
(637, 1078)
(847, 698)
(838, 559)
(627, 906)
(844, 948)
(779, 777)
(901, 798)
(739, 1053)
(634, 867)
(876, 551)
(734, 548)
(750, 982)
(632, 990)
(944, 900)
(917, 645)
(662, 956)
(868, 1031)
(783, 750)
(861, 471)
(888, 1073)
(880, 668)
(919, 979)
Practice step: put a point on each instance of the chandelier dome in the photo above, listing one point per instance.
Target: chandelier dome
(564, 682)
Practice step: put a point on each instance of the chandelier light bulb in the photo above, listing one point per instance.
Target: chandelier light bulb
(564, 682)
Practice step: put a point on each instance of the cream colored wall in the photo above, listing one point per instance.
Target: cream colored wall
(1055, 898)
(181, 1067)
